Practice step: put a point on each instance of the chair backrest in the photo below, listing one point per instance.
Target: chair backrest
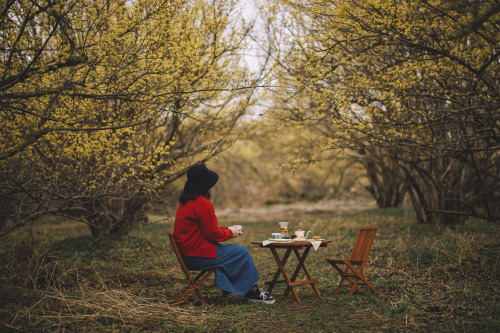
(363, 244)
(178, 253)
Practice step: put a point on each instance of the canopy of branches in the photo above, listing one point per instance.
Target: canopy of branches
(104, 100)
(412, 86)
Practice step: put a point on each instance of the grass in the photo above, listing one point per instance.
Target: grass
(55, 277)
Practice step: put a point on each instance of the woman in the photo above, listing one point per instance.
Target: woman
(198, 234)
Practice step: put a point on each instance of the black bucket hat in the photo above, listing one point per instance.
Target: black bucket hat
(200, 179)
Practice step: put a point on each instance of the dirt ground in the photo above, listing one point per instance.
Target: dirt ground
(295, 210)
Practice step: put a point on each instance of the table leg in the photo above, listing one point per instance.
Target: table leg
(281, 269)
(301, 265)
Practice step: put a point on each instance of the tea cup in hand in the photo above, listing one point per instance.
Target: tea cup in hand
(239, 227)
(235, 231)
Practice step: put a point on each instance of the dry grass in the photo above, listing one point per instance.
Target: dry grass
(31, 264)
(44, 292)
(59, 310)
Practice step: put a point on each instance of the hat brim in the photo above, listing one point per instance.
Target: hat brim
(213, 178)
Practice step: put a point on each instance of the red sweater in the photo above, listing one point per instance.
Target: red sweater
(196, 229)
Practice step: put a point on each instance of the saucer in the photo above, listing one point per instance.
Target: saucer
(299, 239)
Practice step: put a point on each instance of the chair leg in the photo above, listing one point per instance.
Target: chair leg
(198, 284)
(353, 282)
(183, 297)
(182, 291)
(359, 276)
(354, 286)
(341, 273)
(362, 277)
(201, 297)
(343, 278)
(193, 286)
(339, 286)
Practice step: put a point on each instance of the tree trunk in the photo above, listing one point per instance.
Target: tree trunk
(117, 216)
(386, 179)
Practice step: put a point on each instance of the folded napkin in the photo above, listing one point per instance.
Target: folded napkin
(316, 244)
(266, 242)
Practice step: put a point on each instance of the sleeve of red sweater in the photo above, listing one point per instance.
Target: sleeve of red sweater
(209, 223)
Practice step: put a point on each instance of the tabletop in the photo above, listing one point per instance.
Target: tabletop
(291, 244)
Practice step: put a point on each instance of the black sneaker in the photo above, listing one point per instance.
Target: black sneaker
(260, 297)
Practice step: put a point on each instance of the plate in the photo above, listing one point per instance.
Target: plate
(306, 240)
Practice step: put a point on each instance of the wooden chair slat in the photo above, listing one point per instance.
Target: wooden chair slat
(359, 256)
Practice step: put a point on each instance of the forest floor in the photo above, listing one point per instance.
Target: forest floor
(55, 277)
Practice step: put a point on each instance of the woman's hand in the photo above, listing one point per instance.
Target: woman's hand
(235, 230)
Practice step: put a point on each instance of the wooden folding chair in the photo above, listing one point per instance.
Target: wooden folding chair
(193, 284)
(358, 258)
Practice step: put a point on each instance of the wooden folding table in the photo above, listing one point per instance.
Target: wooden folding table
(291, 282)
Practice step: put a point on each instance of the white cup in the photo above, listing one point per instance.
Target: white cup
(239, 227)
(276, 235)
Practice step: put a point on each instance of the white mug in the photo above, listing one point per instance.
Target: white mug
(239, 227)
(276, 235)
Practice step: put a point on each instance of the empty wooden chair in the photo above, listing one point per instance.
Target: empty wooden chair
(353, 271)
(193, 284)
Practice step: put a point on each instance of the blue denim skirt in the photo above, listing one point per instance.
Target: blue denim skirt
(235, 271)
